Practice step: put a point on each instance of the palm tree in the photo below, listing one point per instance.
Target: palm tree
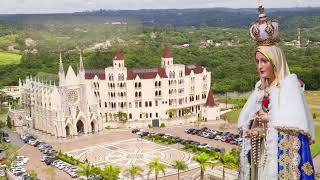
(86, 170)
(133, 171)
(110, 172)
(204, 160)
(51, 172)
(156, 166)
(226, 160)
(179, 165)
(33, 174)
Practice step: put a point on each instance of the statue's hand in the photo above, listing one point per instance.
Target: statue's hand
(252, 133)
(263, 117)
(256, 132)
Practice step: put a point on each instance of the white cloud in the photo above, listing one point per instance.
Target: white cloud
(58, 6)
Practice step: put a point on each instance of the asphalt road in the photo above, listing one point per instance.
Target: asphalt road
(14, 137)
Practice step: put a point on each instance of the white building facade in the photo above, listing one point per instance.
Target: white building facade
(91, 100)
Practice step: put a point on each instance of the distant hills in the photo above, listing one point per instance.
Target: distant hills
(217, 17)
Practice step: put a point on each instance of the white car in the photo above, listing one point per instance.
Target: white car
(73, 174)
(18, 170)
(6, 139)
(22, 136)
(23, 159)
(73, 169)
(19, 163)
(218, 137)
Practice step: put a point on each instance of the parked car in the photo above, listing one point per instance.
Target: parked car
(218, 137)
(134, 131)
(6, 139)
(228, 139)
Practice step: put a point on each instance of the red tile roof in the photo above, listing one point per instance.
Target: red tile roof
(210, 100)
(196, 69)
(90, 73)
(118, 55)
(146, 73)
(167, 53)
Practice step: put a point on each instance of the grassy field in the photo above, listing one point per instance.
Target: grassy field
(313, 98)
(315, 148)
(9, 58)
(232, 116)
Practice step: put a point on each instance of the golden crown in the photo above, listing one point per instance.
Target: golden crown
(264, 31)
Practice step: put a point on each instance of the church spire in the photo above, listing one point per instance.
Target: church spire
(81, 61)
(81, 70)
(61, 70)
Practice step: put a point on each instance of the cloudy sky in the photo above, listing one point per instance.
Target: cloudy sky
(58, 6)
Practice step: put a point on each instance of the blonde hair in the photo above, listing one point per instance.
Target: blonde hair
(280, 66)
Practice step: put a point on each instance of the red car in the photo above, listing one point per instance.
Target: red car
(228, 139)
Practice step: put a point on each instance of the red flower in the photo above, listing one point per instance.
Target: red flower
(265, 101)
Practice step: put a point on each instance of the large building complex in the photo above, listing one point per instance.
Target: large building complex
(90, 100)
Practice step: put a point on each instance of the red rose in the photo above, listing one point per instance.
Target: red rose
(265, 101)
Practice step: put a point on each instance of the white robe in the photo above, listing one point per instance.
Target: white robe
(288, 109)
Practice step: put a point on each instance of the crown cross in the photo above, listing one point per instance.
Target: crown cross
(261, 9)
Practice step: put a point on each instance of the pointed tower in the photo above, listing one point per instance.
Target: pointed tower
(20, 83)
(61, 72)
(81, 70)
(167, 59)
(118, 60)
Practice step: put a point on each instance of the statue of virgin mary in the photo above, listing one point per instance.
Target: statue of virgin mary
(275, 123)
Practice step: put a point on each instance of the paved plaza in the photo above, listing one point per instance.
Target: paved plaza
(132, 151)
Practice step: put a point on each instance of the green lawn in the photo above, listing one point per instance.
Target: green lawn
(232, 116)
(9, 58)
(315, 148)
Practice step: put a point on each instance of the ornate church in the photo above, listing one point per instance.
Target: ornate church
(90, 100)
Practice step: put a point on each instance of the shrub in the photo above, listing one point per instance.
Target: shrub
(68, 159)
(149, 126)
(162, 125)
(9, 122)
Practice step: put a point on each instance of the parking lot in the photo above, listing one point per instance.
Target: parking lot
(35, 163)
(113, 139)
(180, 132)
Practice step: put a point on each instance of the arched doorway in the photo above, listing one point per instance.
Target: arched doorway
(67, 131)
(93, 127)
(80, 127)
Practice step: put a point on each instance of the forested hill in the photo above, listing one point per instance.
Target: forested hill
(217, 17)
(215, 38)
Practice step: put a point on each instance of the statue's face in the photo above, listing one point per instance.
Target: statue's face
(264, 66)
